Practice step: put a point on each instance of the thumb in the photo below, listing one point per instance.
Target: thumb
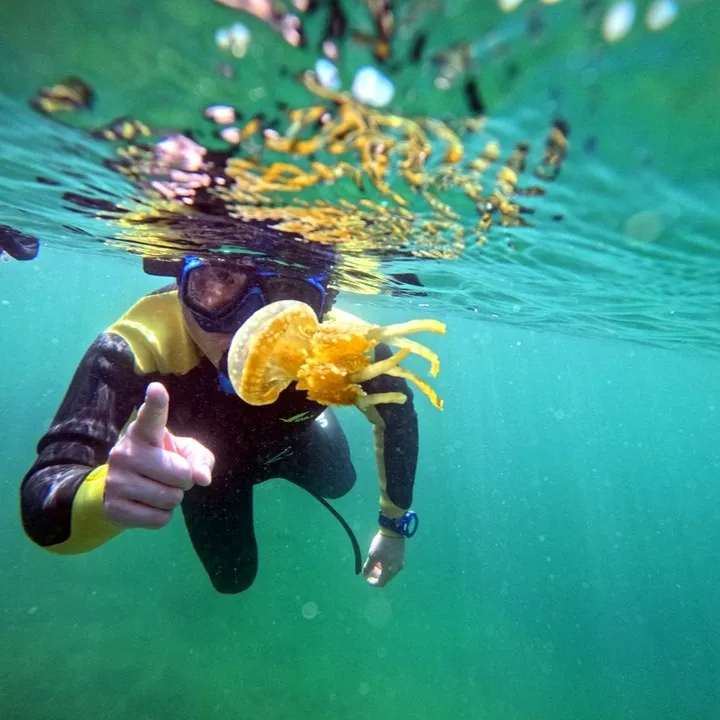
(369, 565)
(152, 417)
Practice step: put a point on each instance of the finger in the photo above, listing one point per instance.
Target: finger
(369, 565)
(387, 574)
(152, 417)
(380, 577)
(141, 490)
(129, 514)
(200, 459)
(374, 575)
(154, 463)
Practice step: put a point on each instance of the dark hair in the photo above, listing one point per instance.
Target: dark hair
(277, 250)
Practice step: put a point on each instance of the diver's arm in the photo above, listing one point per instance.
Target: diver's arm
(396, 450)
(396, 442)
(62, 494)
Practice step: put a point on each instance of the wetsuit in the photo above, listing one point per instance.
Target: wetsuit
(62, 493)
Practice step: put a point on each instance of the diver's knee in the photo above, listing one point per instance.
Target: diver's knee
(234, 580)
(342, 485)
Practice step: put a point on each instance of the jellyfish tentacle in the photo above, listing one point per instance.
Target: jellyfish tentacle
(417, 349)
(382, 367)
(367, 401)
(421, 384)
(407, 328)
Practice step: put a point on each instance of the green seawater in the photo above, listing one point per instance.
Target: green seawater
(567, 565)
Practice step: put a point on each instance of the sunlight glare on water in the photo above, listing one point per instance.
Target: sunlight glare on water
(621, 244)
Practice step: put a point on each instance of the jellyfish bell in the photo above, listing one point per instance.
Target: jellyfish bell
(285, 342)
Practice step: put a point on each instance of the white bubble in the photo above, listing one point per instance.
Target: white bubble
(618, 21)
(371, 87)
(327, 74)
(645, 226)
(309, 610)
(236, 39)
(509, 5)
(239, 40)
(222, 38)
(661, 14)
(221, 114)
(378, 611)
(257, 93)
(231, 135)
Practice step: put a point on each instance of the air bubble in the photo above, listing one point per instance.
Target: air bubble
(327, 74)
(371, 87)
(618, 21)
(661, 14)
(309, 610)
(509, 5)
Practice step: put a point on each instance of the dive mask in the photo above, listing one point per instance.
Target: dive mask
(223, 294)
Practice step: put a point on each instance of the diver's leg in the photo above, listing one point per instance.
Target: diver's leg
(321, 459)
(220, 523)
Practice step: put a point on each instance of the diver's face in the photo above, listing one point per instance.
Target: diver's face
(210, 294)
(212, 345)
(218, 297)
(217, 287)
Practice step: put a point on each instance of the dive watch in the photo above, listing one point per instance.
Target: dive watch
(406, 525)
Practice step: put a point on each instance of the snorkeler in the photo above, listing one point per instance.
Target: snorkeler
(194, 443)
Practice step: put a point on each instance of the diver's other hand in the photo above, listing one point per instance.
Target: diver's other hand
(149, 469)
(386, 558)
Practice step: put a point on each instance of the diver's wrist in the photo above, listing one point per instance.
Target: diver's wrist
(404, 526)
(389, 533)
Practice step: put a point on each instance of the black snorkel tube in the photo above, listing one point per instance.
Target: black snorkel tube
(346, 528)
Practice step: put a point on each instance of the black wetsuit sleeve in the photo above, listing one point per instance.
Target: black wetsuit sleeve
(101, 398)
(400, 435)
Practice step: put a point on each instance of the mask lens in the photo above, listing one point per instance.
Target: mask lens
(214, 289)
(310, 291)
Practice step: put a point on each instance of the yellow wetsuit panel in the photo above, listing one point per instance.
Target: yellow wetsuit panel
(158, 338)
(387, 507)
(155, 330)
(89, 528)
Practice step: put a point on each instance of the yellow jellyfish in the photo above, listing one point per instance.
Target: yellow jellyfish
(284, 342)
